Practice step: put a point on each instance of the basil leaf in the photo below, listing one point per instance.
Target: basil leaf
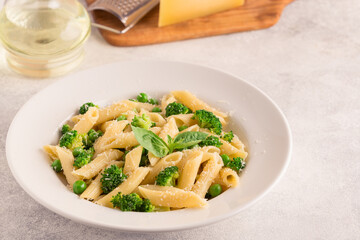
(169, 139)
(187, 139)
(150, 141)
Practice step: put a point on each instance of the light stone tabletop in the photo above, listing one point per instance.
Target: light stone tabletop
(309, 64)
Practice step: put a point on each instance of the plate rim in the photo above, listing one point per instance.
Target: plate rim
(209, 221)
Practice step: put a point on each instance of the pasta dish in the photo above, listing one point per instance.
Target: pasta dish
(146, 155)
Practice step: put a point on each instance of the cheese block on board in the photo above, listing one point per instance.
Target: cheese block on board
(175, 11)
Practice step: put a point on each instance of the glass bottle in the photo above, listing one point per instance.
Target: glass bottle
(43, 38)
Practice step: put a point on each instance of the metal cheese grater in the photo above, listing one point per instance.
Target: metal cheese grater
(129, 12)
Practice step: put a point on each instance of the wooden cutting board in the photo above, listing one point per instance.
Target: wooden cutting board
(255, 14)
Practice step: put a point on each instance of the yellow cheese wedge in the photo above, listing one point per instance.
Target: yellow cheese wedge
(174, 11)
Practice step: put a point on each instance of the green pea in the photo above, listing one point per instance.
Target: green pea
(182, 128)
(225, 158)
(153, 101)
(143, 97)
(56, 165)
(79, 187)
(120, 118)
(156, 109)
(77, 151)
(215, 190)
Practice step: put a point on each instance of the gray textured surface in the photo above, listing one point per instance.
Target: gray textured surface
(309, 63)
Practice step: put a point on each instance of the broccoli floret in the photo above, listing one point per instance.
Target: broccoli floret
(237, 164)
(112, 177)
(228, 136)
(211, 141)
(93, 135)
(65, 128)
(71, 140)
(176, 108)
(85, 107)
(142, 122)
(129, 202)
(146, 206)
(82, 156)
(89, 138)
(168, 176)
(132, 202)
(208, 120)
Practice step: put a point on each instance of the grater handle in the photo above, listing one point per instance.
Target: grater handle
(110, 29)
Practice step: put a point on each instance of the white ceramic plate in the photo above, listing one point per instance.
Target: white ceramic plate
(256, 119)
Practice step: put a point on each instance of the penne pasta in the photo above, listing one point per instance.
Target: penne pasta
(112, 131)
(237, 143)
(227, 178)
(75, 119)
(153, 159)
(87, 121)
(208, 152)
(184, 119)
(171, 197)
(189, 170)
(51, 152)
(193, 128)
(105, 125)
(132, 160)
(144, 106)
(169, 129)
(208, 174)
(113, 111)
